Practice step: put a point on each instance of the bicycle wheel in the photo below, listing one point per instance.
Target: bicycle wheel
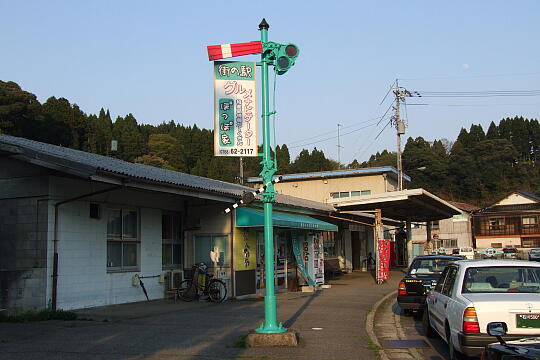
(217, 291)
(187, 291)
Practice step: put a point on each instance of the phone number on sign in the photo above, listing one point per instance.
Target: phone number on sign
(236, 151)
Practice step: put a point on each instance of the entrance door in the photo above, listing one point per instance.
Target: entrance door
(356, 250)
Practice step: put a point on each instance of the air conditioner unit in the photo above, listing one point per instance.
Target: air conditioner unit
(173, 278)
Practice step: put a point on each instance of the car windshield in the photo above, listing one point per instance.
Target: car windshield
(535, 251)
(466, 250)
(428, 266)
(510, 250)
(499, 279)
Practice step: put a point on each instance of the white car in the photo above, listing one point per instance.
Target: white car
(467, 253)
(471, 294)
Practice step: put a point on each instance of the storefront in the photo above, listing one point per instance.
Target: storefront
(295, 237)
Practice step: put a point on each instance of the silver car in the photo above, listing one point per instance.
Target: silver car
(534, 254)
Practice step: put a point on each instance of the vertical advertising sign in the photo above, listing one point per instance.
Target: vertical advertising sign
(384, 259)
(235, 109)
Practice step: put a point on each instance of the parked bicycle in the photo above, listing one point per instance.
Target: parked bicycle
(202, 284)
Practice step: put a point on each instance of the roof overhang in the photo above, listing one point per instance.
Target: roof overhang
(406, 205)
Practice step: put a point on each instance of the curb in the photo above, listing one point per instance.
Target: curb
(399, 330)
(369, 325)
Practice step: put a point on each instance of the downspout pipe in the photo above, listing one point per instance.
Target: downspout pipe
(55, 240)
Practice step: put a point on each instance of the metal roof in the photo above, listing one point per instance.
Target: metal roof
(411, 205)
(87, 165)
(332, 174)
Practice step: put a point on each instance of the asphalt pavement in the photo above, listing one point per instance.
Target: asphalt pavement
(331, 324)
(391, 324)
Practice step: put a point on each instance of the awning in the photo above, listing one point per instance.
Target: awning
(246, 217)
(411, 205)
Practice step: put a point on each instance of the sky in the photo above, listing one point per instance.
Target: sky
(149, 58)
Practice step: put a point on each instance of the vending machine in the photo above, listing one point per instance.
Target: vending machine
(309, 252)
(313, 256)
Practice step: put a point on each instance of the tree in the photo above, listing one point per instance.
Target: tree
(493, 132)
(130, 141)
(283, 159)
(103, 132)
(21, 113)
(426, 163)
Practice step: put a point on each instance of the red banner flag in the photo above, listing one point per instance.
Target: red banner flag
(384, 259)
(216, 52)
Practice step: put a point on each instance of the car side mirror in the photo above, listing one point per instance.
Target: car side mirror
(497, 329)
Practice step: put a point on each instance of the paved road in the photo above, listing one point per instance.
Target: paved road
(331, 325)
(392, 326)
(412, 325)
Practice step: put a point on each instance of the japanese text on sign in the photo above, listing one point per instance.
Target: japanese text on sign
(235, 129)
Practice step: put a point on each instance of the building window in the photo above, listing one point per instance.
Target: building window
(496, 245)
(450, 243)
(435, 225)
(122, 239)
(219, 244)
(345, 194)
(171, 241)
(496, 223)
(529, 221)
(460, 217)
(532, 242)
(329, 243)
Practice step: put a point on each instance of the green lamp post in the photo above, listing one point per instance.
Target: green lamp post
(282, 57)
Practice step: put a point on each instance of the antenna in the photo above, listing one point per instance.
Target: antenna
(338, 147)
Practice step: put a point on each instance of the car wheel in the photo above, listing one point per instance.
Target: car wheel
(454, 354)
(426, 326)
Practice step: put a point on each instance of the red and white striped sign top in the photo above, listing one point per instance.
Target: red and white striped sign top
(216, 52)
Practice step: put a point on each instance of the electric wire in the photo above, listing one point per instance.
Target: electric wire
(475, 105)
(333, 131)
(388, 92)
(365, 149)
(332, 137)
(474, 94)
(386, 112)
(469, 77)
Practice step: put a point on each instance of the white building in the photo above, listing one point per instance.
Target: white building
(76, 227)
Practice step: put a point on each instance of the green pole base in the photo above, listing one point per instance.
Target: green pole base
(271, 329)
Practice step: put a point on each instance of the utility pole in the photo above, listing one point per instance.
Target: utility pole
(241, 180)
(338, 147)
(400, 95)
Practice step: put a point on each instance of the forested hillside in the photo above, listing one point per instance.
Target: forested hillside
(478, 167)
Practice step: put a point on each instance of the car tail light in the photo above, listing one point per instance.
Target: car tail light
(470, 321)
(402, 290)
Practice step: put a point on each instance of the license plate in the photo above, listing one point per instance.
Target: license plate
(528, 321)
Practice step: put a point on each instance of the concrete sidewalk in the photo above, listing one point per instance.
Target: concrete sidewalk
(201, 330)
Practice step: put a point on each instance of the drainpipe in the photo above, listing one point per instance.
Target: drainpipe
(55, 241)
(233, 273)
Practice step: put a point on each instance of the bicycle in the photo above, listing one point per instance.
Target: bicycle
(190, 289)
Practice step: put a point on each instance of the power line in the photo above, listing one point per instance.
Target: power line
(331, 138)
(469, 77)
(496, 93)
(362, 150)
(333, 131)
(474, 105)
